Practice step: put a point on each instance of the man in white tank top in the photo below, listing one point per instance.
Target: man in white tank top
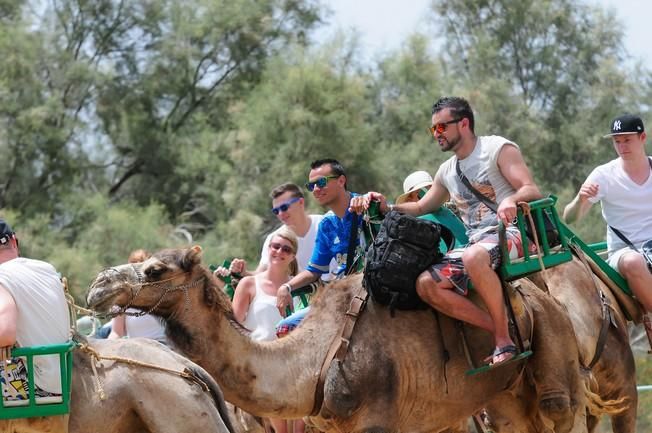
(33, 312)
(623, 187)
(495, 167)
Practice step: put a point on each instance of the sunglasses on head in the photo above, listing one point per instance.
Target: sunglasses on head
(441, 127)
(321, 182)
(280, 247)
(283, 207)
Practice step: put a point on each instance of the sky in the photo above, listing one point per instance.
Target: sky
(373, 20)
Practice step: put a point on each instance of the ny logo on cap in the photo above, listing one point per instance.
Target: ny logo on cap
(617, 126)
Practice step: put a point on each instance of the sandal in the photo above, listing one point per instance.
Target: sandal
(509, 350)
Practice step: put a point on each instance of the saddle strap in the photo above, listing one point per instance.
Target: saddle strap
(607, 317)
(340, 344)
(604, 328)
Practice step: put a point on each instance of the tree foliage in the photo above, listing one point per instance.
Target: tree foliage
(129, 124)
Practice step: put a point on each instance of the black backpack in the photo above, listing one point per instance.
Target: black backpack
(404, 247)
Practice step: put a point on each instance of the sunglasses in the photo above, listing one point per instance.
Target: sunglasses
(321, 182)
(441, 127)
(283, 207)
(280, 247)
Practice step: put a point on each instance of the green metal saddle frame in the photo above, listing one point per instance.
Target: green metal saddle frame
(33, 408)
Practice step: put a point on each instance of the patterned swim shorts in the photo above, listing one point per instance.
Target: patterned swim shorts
(452, 268)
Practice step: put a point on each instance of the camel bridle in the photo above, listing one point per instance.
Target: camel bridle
(166, 284)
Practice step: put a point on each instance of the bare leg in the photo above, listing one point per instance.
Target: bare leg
(486, 282)
(634, 269)
(440, 296)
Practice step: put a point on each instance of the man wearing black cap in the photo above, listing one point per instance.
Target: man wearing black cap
(33, 312)
(623, 187)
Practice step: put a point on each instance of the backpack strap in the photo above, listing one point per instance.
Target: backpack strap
(353, 240)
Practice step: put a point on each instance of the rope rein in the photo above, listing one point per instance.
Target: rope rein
(97, 357)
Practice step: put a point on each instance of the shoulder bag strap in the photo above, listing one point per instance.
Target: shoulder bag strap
(483, 198)
(353, 240)
(619, 233)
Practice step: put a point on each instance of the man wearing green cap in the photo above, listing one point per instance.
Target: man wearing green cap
(623, 187)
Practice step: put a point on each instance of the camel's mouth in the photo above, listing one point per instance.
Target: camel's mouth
(105, 290)
(101, 299)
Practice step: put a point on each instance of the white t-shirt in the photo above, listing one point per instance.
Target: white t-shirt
(306, 245)
(626, 205)
(482, 171)
(146, 326)
(262, 315)
(42, 313)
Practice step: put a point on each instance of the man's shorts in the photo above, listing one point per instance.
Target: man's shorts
(285, 326)
(452, 268)
(614, 258)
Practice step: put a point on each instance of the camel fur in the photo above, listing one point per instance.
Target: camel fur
(138, 399)
(401, 374)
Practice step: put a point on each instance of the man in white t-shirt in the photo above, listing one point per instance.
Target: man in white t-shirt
(494, 167)
(33, 310)
(623, 187)
(288, 204)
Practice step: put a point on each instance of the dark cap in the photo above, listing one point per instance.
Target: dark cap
(626, 124)
(6, 232)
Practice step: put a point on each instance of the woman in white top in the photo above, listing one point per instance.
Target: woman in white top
(254, 301)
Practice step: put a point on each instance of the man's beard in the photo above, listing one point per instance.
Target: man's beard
(449, 145)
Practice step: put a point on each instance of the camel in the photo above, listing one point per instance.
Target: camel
(401, 374)
(137, 398)
(615, 375)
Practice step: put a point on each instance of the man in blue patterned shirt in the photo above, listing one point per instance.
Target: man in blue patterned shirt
(327, 182)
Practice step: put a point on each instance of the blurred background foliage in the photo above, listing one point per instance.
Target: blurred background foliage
(146, 124)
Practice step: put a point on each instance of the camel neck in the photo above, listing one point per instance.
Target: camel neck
(288, 365)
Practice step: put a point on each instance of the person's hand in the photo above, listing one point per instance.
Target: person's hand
(360, 203)
(283, 298)
(238, 266)
(587, 191)
(507, 211)
(221, 272)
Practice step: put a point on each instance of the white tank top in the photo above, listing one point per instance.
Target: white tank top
(262, 315)
(146, 326)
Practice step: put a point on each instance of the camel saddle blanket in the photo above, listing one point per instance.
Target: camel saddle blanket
(404, 247)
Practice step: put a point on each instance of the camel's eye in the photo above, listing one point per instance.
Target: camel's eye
(154, 271)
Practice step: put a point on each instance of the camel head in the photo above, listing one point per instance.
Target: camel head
(156, 285)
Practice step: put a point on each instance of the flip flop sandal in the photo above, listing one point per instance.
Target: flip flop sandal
(509, 349)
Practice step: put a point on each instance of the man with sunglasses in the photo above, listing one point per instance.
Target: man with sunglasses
(33, 312)
(495, 168)
(623, 187)
(327, 182)
(288, 205)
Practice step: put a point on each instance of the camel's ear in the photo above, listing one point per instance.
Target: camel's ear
(191, 258)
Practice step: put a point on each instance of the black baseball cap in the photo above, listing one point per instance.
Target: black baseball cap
(6, 232)
(626, 124)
